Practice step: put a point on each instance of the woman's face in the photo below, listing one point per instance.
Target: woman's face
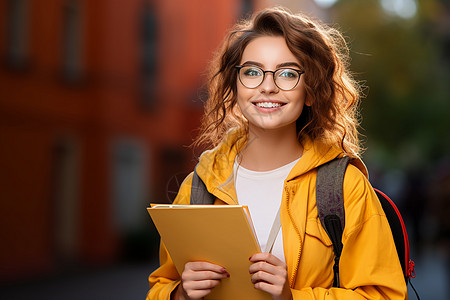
(267, 106)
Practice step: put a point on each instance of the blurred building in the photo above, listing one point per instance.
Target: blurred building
(96, 100)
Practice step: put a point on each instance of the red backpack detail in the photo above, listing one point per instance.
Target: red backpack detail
(399, 233)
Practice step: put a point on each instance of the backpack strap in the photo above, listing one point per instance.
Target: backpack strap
(330, 205)
(199, 192)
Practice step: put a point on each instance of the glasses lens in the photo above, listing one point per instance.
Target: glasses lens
(251, 76)
(286, 79)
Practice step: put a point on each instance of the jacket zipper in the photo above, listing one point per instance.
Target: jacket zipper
(295, 270)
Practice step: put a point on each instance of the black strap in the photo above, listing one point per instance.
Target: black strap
(199, 192)
(330, 205)
(410, 283)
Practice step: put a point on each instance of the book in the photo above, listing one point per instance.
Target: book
(219, 234)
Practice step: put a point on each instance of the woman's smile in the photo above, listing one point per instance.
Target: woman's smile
(268, 106)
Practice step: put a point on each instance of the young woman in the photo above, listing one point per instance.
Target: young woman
(282, 103)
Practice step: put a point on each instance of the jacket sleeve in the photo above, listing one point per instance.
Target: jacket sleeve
(166, 278)
(369, 265)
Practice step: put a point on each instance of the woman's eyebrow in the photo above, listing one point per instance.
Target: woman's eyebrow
(253, 63)
(282, 65)
(289, 64)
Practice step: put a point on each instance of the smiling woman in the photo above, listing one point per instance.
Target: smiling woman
(281, 105)
(317, 51)
(270, 102)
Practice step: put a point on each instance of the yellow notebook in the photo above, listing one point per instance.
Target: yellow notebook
(220, 234)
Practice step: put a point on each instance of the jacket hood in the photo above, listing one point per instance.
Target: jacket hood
(216, 166)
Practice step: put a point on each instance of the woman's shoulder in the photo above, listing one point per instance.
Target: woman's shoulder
(360, 200)
(355, 176)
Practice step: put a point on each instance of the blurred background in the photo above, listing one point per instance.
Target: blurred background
(99, 101)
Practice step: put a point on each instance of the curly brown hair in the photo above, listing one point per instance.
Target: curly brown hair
(332, 117)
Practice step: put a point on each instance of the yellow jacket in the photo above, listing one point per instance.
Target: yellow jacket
(369, 265)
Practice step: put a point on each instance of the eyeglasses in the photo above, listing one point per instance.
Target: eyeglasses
(285, 78)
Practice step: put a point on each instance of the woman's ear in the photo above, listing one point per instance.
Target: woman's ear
(308, 100)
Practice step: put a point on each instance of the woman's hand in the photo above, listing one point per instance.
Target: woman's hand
(269, 274)
(198, 280)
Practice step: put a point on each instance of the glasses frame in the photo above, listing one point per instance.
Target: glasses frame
(273, 76)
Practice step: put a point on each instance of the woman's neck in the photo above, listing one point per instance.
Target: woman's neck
(270, 149)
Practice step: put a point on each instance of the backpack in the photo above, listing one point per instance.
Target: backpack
(330, 208)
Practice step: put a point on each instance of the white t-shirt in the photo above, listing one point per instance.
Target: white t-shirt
(262, 192)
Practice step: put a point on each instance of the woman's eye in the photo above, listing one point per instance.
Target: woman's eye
(252, 72)
(288, 74)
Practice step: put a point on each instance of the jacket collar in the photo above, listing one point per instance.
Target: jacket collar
(215, 166)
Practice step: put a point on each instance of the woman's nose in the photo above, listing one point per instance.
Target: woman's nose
(268, 85)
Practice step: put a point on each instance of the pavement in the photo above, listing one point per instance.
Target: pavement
(120, 282)
(129, 282)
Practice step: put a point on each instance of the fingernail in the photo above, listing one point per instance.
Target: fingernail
(223, 270)
(228, 274)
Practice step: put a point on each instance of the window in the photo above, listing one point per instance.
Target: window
(148, 56)
(17, 42)
(72, 57)
(129, 184)
(66, 214)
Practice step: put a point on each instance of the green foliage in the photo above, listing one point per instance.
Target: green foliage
(406, 114)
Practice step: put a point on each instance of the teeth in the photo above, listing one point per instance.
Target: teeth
(268, 104)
